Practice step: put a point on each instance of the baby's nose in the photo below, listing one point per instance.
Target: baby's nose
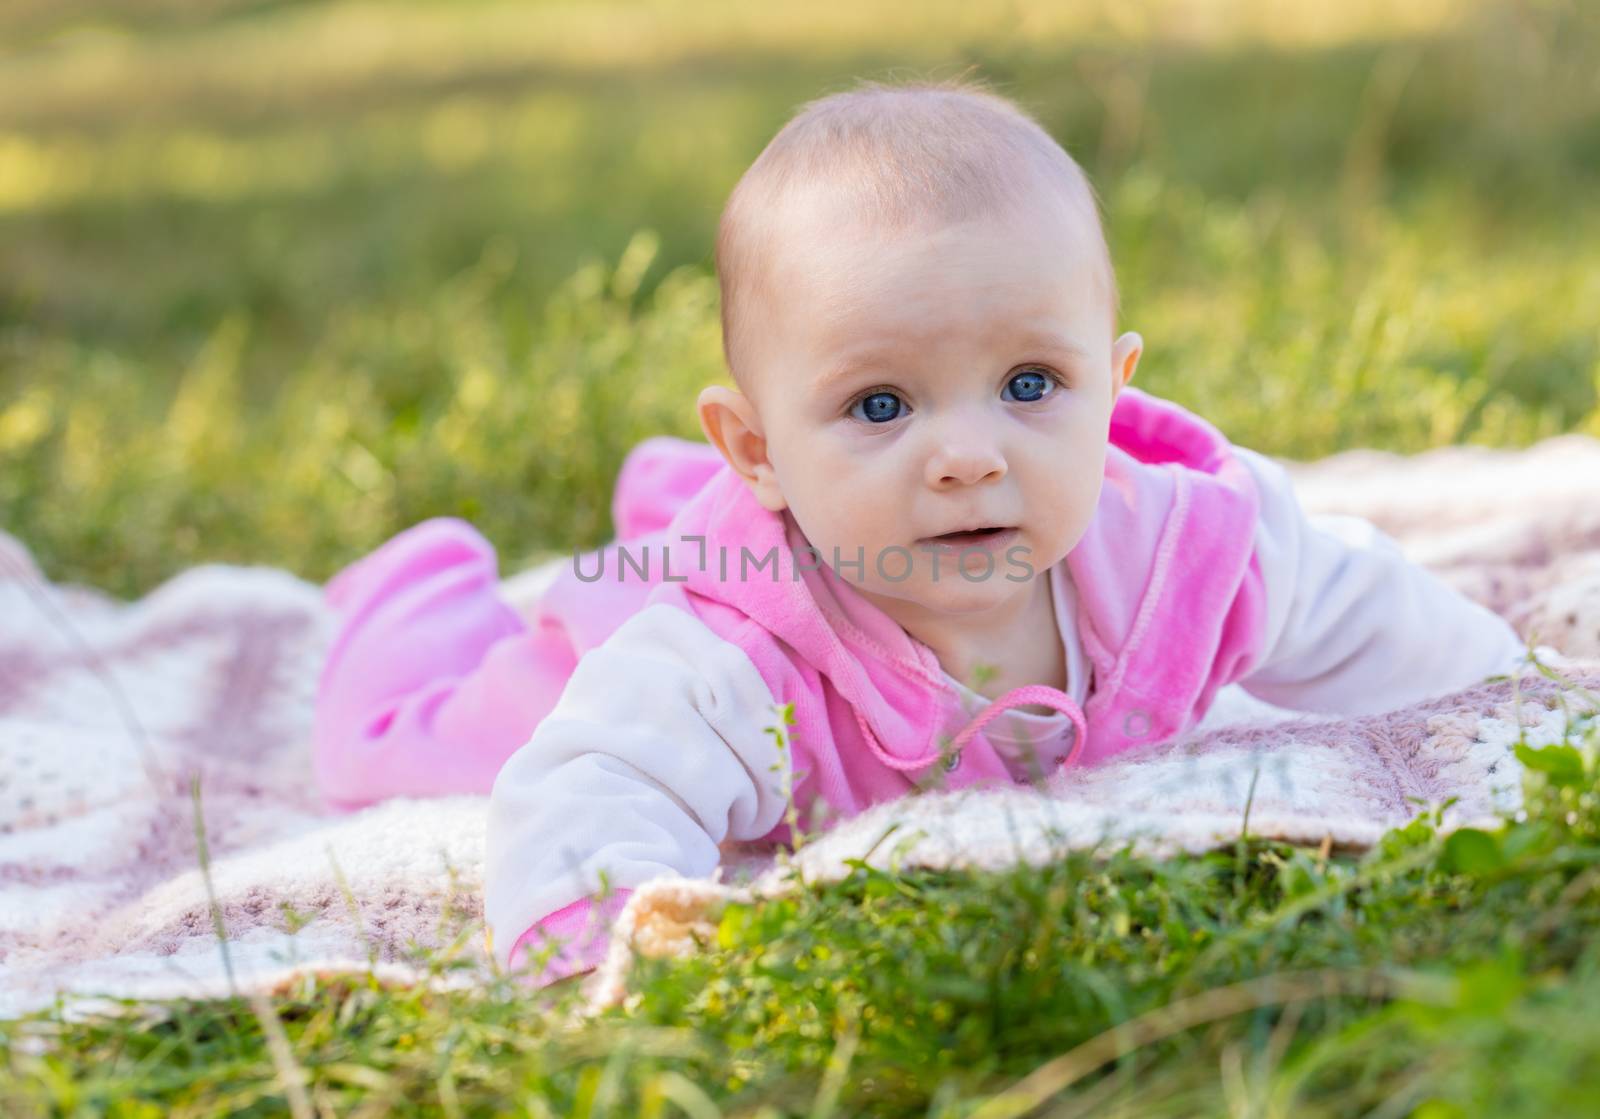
(965, 462)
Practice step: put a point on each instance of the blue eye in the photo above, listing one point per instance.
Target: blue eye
(879, 407)
(1029, 386)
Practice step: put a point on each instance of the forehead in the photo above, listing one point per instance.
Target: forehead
(850, 283)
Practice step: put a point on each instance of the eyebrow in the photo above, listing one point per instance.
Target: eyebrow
(843, 371)
(1045, 340)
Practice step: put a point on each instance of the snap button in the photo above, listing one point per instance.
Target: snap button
(951, 761)
(1136, 723)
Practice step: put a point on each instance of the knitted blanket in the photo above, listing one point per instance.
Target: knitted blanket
(160, 837)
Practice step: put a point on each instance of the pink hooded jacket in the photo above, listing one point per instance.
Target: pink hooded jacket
(1171, 609)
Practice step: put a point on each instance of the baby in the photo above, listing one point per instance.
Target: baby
(932, 516)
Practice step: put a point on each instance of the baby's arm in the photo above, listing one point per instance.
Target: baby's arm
(1353, 627)
(655, 753)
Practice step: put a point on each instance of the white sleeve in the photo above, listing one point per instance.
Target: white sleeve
(655, 753)
(1353, 626)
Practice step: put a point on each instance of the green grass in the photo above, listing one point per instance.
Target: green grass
(1437, 975)
(280, 279)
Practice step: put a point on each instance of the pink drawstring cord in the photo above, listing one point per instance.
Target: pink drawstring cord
(1016, 697)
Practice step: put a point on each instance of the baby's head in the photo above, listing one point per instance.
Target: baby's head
(918, 309)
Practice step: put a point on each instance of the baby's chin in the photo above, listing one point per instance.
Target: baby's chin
(953, 595)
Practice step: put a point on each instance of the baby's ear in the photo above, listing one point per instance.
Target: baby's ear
(734, 429)
(1125, 354)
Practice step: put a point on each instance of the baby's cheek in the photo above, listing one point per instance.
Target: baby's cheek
(1075, 493)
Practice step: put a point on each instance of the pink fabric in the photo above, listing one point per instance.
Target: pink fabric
(655, 481)
(581, 931)
(433, 682)
(1162, 654)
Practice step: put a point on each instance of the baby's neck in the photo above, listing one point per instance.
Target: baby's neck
(1002, 649)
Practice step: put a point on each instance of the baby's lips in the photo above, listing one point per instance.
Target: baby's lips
(971, 537)
(986, 530)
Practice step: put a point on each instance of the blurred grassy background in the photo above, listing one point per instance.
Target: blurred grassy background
(279, 279)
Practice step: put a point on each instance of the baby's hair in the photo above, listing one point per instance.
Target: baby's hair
(897, 156)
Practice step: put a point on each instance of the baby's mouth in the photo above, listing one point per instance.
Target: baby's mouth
(973, 534)
(991, 534)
